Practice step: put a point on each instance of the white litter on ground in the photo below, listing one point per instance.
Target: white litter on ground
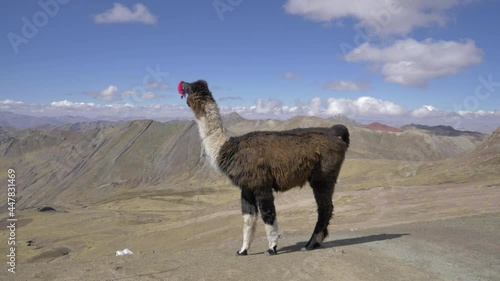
(123, 253)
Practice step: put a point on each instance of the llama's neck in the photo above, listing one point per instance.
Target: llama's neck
(212, 133)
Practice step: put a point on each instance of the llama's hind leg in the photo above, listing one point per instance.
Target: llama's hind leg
(249, 211)
(265, 201)
(323, 194)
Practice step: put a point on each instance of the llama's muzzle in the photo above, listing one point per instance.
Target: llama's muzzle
(183, 88)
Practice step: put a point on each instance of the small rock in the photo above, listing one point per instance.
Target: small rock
(46, 209)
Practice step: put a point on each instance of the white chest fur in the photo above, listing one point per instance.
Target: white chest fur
(212, 134)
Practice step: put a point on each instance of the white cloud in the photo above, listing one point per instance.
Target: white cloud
(360, 107)
(406, 62)
(479, 113)
(153, 85)
(134, 96)
(363, 109)
(66, 103)
(412, 63)
(272, 106)
(425, 111)
(93, 110)
(148, 96)
(314, 107)
(347, 86)
(130, 93)
(377, 16)
(291, 75)
(131, 96)
(8, 101)
(370, 109)
(121, 14)
(364, 106)
(107, 94)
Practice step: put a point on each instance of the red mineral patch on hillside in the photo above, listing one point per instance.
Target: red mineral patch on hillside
(376, 126)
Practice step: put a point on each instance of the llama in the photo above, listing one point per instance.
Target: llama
(262, 162)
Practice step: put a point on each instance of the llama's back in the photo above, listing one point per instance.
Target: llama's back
(283, 159)
(337, 130)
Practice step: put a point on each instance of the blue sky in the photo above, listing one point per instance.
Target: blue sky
(367, 59)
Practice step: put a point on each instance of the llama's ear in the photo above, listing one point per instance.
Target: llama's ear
(204, 83)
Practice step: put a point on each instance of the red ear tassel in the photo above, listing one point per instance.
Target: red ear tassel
(180, 89)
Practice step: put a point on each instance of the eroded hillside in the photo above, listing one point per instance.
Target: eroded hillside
(98, 161)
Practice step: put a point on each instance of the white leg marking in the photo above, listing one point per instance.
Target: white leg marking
(249, 222)
(272, 234)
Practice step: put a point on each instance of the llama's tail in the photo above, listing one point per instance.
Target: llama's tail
(342, 132)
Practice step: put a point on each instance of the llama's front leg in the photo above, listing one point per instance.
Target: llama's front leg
(249, 210)
(265, 201)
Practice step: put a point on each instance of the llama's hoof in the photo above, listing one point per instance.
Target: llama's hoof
(244, 253)
(314, 242)
(310, 247)
(271, 252)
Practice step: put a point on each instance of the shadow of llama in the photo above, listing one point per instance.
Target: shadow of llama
(261, 163)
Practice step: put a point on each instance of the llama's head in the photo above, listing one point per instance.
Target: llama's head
(198, 96)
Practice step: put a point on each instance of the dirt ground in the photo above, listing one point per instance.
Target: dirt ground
(445, 232)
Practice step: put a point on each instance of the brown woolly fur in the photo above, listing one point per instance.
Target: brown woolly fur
(281, 160)
(262, 162)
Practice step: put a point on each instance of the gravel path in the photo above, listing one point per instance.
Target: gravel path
(465, 248)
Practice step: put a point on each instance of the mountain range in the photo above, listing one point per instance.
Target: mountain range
(95, 162)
